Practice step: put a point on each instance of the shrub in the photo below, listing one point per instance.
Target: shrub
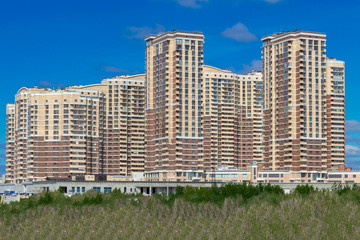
(304, 190)
(219, 212)
(45, 198)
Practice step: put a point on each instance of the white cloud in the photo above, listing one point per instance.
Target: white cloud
(353, 163)
(114, 69)
(240, 33)
(349, 139)
(352, 126)
(246, 68)
(352, 151)
(51, 84)
(191, 3)
(254, 65)
(142, 32)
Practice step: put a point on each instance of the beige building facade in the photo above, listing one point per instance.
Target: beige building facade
(335, 113)
(10, 141)
(254, 173)
(53, 133)
(174, 71)
(186, 121)
(124, 124)
(94, 129)
(198, 118)
(232, 118)
(299, 108)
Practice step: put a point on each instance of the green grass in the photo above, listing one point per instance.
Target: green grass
(235, 211)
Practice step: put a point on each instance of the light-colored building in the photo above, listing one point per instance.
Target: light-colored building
(124, 124)
(184, 121)
(335, 113)
(232, 118)
(198, 118)
(94, 129)
(256, 174)
(10, 141)
(174, 73)
(298, 104)
(53, 133)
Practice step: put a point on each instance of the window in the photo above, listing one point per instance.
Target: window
(107, 189)
(96, 189)
(83, 189)
(273, 175)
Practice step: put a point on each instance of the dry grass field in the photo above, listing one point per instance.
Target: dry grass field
(229, 212)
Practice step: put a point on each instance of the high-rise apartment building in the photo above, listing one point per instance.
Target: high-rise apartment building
(182, 120)
(335, 113)
(232, 118)
(124, 124)
(53, 133)
(94, 129)
(296, 103)
(10, 141)
(174, 68)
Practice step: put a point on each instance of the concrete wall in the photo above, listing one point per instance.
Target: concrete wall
(8, 187)
(147, 188)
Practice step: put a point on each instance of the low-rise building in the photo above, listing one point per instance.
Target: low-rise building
(255, 174)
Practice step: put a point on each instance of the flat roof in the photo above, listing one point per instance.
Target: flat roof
(173, 33)
(278, 35)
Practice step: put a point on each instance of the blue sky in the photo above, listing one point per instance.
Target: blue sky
(61, 43)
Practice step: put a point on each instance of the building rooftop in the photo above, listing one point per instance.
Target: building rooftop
(334, 60)
(175, 32)
(292, 33)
